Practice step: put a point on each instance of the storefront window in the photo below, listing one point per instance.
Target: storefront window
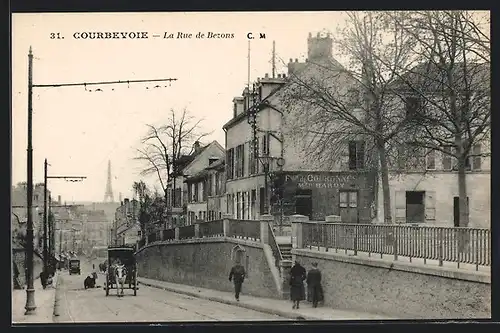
(343, 199)
(353, 199)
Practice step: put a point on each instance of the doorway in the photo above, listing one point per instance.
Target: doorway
(303, 202)
(456, 211)
(415, 208)
(348, 206)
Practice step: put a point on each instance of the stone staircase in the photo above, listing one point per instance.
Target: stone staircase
(286, 250)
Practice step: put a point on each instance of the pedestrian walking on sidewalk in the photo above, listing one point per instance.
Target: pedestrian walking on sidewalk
(237, 275)
(297, 290)
(314, 289)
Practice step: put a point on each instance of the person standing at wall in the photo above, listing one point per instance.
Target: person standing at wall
(237, 275)
(297, 290)
(314, 288)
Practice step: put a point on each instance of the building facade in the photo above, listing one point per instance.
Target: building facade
(126, 229)
(307, 187)
(195, 177)
(206, 193)
(216, 185)
(19, 215)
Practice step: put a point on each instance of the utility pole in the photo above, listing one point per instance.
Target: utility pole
(274, 59)
(30, 290)
(45, 254)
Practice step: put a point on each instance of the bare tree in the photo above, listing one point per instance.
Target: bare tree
(357, 103)
(164, 145)
(452, 85)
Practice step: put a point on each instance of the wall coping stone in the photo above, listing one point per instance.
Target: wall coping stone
(456, 274)
(220, 239)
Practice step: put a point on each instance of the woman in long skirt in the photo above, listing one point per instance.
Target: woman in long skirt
(297, 290)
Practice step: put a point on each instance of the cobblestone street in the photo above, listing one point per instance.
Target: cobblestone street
(150, 305)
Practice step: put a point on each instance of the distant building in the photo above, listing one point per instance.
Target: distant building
(216, 186)
(19, 215)
(126, 229)
(189, 166)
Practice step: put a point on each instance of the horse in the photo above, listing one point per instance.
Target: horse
(89, 281)
(120, 275)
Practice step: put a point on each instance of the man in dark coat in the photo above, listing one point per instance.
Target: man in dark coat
(314, 285)
(297, 291)
(237, 275)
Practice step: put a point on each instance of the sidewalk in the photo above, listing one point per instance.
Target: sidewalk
(278, 307)
(44, 301)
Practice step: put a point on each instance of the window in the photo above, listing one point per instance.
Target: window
(476, 157)
(204, 190)
(265, 144)
(210, 184)
(343, 199)
(240, 161)
(253, 200)
(446, 158)
(356, 155)
(353, 200)
(238, 205)
(230, 163)
(430, 160)
(412, 106)
(253, 166)
(196, 195)
(244, 205)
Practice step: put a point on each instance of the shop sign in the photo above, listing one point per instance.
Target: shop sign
(320, 181)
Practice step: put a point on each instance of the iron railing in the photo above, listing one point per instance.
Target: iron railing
(168, 234)
(274, 246)
(460, 245)
(152, 237)
(246, 229)
(186, 232)
(212, 229)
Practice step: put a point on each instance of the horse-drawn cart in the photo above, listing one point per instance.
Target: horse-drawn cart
(121, 270)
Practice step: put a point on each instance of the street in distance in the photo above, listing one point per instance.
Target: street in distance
(145, 35)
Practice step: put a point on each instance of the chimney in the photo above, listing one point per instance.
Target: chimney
(293, 67)
(238, 106)
(319, 47)
(58, 199)
(196, 147)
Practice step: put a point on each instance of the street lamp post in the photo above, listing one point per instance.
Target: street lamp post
(30, 290)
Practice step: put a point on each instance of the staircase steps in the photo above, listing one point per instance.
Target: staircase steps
(286, 250)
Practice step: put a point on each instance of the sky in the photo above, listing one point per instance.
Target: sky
(78, 130)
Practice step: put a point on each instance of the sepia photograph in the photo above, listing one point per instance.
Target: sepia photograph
(176, 167)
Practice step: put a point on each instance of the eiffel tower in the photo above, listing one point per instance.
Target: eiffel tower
(108, 196)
